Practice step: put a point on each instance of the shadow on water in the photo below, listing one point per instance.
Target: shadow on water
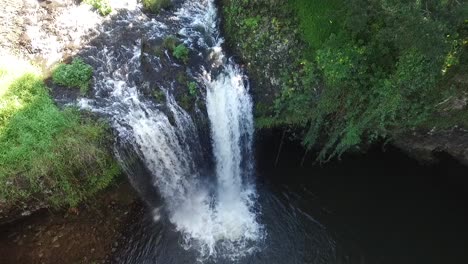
(382, 206)
(378, 208)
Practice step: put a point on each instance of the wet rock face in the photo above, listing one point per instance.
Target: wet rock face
(266, 46)
(425, 146)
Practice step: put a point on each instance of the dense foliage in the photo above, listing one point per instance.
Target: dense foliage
(59, 157)
(78, 74)
(369, 70)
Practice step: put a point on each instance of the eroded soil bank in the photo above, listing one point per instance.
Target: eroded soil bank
(86, 234)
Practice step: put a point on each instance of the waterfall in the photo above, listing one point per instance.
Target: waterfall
(226, 220)
(215, 214)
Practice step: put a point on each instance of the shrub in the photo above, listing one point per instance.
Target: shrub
(251, 23)
(317, 19)
(102, 6)
(192, 88)
(181, 52)
(154, 6)
(77, 74)
(187, 100)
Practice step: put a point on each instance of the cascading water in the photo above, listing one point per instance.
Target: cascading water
(213, 218)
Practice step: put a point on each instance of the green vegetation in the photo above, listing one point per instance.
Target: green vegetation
(317, 19)
(192, 88)
(102, 6)
(251, 22)
(77, 75)
(170, 42)
(154, 6)
(181, 52)
(178, 49)
(186, 91)
(159, 95)
(186, 98)
(360, 70)
(59, 157)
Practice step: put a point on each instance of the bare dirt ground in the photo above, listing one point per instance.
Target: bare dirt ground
(87, 234)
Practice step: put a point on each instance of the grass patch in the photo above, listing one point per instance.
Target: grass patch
(181, 52)
(76, 75)
(102, 6)
(154, 6)
(192, 88)
(59, 157)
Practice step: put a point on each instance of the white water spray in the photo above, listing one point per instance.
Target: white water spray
(229, 223)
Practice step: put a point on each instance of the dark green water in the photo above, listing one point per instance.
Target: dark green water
(382, 207)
